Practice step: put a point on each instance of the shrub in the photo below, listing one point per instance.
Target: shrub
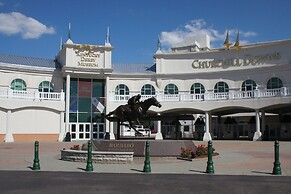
(187, 153)
(201, 150)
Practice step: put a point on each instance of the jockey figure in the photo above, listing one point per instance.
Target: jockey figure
(133, 101)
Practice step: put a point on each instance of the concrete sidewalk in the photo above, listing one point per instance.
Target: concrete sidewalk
(235, 158)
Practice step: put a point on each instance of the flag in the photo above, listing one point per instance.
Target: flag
(98, 104)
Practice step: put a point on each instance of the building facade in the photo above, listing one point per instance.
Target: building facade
(241, 92)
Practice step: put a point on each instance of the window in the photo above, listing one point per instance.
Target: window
(197, 88)
(186, 128)
(148, 89)
(46, 86)
(121, 89)
(18, 84)
(171, 89)
(274, 83)
(221, 87)
(248, 85)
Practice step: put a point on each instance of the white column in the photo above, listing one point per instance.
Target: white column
(258, 134)
(112, 136)
(62, 129)
(8, 135)
(207, 135)
(263, 117)
(68, 84)
(159, 135)
(109, 125)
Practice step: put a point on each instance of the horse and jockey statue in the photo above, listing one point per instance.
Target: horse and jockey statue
(134, 110)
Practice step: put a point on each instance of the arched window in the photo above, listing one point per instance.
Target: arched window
(221, 87)
(46, 86)
(197, 88)
(18, 84)
(248, 85)
(171, 89)
(121, 89)
(148, 89)
(274, 83)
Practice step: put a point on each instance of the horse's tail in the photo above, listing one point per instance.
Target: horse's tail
(109, 114)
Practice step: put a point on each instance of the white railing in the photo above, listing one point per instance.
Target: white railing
(31, 94)
(211, 96)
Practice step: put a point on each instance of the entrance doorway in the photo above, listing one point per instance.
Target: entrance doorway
(87, 131)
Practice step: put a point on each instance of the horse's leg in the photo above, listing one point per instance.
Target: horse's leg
(133, 127)
(138, 121)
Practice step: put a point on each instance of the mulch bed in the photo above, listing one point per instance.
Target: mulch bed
(197, 157)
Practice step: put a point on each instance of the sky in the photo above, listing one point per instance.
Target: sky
(36, 28)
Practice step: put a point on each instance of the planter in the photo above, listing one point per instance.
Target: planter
(97, 156)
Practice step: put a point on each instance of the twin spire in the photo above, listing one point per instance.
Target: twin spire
(227, 44)
(69, 41)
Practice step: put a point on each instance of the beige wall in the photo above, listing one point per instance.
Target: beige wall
(31, 79)
(34, 121)
(3, 120)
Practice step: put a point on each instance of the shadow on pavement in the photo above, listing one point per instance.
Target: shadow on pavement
(137, 170)
(199, 171)
(259, 172)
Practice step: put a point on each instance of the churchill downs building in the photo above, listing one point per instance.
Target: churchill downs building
(234, 92)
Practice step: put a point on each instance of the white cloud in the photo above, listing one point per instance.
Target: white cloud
(199, 27)
(17, 23)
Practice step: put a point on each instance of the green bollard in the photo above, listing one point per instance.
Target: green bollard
(209, 168)
(147, 163)
(89, 166)
(277, 167)
(36, 165)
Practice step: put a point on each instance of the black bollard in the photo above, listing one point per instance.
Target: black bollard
(36, 165)
(89, 166)
(209, 168)
(277, 164)
(147, 163)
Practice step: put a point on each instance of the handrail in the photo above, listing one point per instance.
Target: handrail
(6, 92)
(210, 96)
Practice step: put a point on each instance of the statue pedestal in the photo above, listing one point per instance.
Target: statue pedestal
(165, 148)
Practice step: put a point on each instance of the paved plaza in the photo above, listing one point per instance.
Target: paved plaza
(235, 158)
(241, 167)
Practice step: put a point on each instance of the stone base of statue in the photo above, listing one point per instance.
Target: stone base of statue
(162, 148)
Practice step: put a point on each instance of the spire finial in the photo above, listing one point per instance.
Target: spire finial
(107, 36)
(69, 41)
(236, 45)
(226, 42)
(69, 33)
(159, 44)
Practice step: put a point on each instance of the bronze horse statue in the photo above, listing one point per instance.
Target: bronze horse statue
(133, 112)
